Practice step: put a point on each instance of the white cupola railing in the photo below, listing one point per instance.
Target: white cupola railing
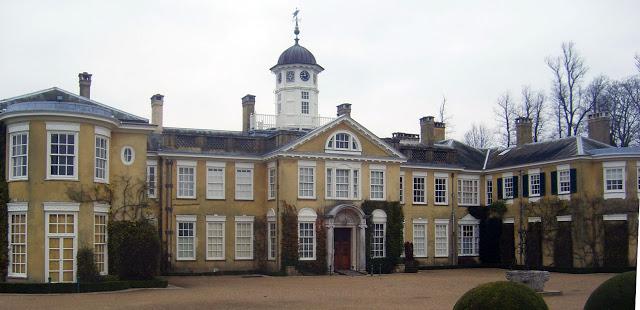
(285, 121)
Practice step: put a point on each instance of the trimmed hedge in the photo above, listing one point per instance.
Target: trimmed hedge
(501, 295)
(619, 293)
(57, 288)
(134, 249)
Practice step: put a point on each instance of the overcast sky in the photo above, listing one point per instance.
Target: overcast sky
(394, 61)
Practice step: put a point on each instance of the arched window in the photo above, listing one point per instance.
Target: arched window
(307, 234)
(379, 219)
(343, 142)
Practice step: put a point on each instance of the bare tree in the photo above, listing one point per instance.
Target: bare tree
(595, 92)
(568, 72)
(443, 117)
(479, 136)
(533, 107)
(638, 62)
(621, 100)
(505, 114)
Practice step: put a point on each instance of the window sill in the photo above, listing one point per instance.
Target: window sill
(243, 259)
(420, 256)
(185, 259)
(215, 259)
(564, 196)
(74, 179)
(468, 255)
(613, 195)
(468, 205)
(101, 181)
(306, 198)
(17, 179)
(16, 276)
(441, 256)
(420, 203)
(378, 199)
(186, 198)
(440, 204)
(212, 198)
(307, 259)
(533, 198)
(244, 199)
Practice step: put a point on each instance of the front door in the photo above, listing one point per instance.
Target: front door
(342, 242)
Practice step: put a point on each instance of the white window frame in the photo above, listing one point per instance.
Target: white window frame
(215, 167)
(306, 217)
(330, 145)
(488, 190)
(186, 164)
(401, 187)
(564, 169)
(123, 156)
(68, 129)
(245, 168)
(614, 193)
(306, 166)
(534, 174)
(475, 190)
(423, 176)
(272, 239)
(61, 208)
(440, 176)
(152, 178)
(105, 134)
(354, 186)
(102, 210)
(304, 107)
(505, 177)
(244, 219)
(17, 209)
(438, 251)
(17, 130)
(186, 219)
(420, 222)
(271, 181)
(378, 169)
(378, 244)
(215, 219)
(474, 224)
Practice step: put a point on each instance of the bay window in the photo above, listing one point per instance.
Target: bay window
(62, 151)
(18, 151)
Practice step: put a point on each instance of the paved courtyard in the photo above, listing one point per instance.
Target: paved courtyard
(435, 289)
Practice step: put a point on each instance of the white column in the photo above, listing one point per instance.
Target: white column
(330, 248)
(362, 248)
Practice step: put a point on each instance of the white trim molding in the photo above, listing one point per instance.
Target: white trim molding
(58, 126)
(215, 218)
(614, 217)
(563, 218)
(534, 219)
(101, 207)
(186, 218)
(508, 220)
(18, 127)
(18, 206)
(57, 206)
(102, 131)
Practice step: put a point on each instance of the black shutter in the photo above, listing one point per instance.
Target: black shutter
(554, 182)
(516, 189)
(525, 185)
(543, 186)
(499, 188)
(574, 181)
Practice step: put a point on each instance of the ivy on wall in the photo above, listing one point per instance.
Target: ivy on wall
(260, 243)
(4, 199)
(319, 265)
(393, 236)
(289, 229)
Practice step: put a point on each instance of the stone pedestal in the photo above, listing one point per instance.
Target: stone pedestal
(534, 279)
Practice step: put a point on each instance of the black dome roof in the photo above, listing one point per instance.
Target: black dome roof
(296, 54)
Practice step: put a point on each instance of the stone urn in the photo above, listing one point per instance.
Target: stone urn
(534, 279)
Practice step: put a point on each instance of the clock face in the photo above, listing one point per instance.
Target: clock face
(279, 77)
(304, 75)
(290, 76)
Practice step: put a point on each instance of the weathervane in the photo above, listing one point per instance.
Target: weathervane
(296, 31)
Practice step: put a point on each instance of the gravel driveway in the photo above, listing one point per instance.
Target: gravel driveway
(434, 289)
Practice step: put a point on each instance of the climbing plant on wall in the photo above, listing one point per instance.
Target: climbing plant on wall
(393, 236)
(289, 220)
(260, 242)
(319, 265)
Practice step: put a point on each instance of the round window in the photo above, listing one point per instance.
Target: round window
(128, 155)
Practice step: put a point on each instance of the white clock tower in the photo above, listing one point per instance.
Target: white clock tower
(296, 92)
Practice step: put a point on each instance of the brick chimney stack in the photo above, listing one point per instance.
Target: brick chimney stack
(599, 127)
(157, 101)
(524, 133)
(84, 79)
(248, 108)
(427, 130)
(344, 109)
(439, 129)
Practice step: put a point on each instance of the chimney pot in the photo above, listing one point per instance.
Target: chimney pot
(84, 80)
(427, 130)
(344, 109)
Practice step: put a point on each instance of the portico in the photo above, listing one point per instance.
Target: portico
(346, 238)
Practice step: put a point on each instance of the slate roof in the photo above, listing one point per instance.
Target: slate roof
(297, 54)
(59, 100)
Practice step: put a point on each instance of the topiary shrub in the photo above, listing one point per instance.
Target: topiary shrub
(619, 293)
(500, 295)
(134, 249)
(87, 270)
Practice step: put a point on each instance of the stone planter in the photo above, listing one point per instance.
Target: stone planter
(534, 279)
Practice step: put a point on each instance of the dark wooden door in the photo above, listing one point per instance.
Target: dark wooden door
(563, 246)
(342, 243)
(616, 244)
(507, 245)
(533, 258)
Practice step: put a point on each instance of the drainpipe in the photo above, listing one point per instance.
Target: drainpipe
(160, 202)
(169, 192)
(453, 256)
(521, 231)
(278, 224)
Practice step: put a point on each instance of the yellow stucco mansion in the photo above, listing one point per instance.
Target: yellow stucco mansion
(207, 188)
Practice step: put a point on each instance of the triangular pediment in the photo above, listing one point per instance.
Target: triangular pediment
(369, 145)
